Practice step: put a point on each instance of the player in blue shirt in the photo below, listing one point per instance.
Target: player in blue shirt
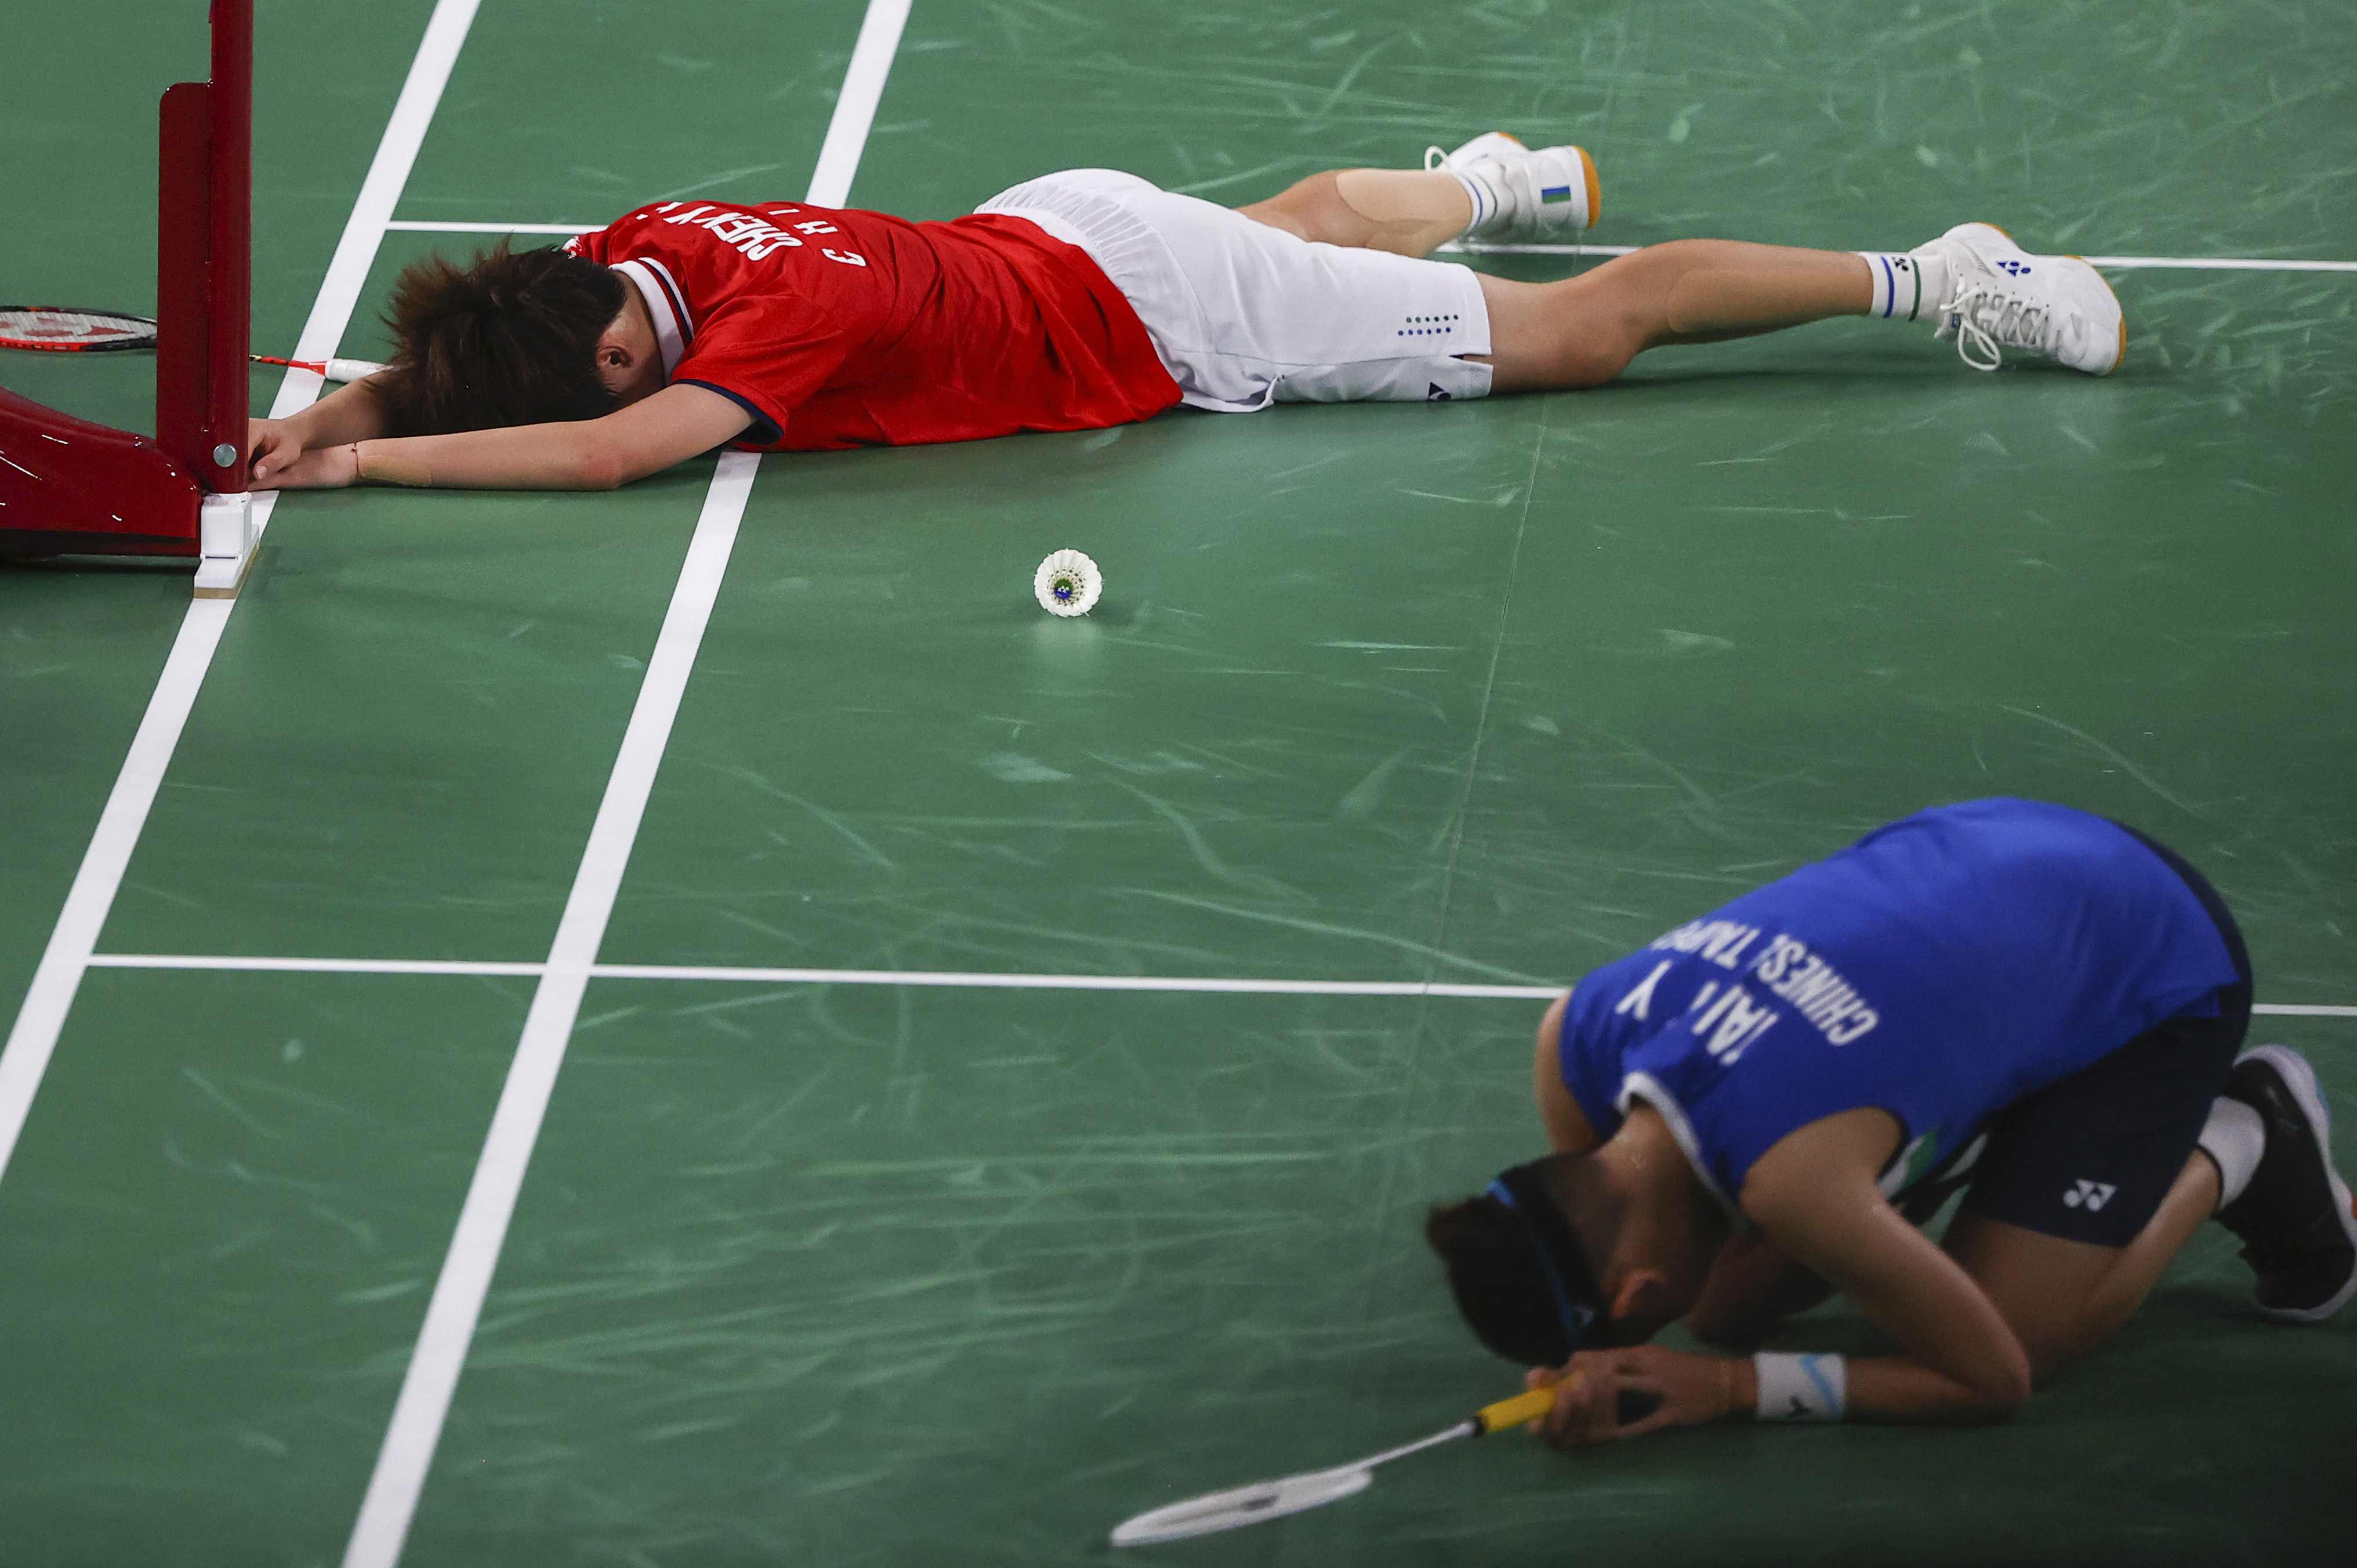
(2035, 1006)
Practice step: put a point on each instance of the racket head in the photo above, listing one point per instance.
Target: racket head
(69, 329)
(1242, 1505)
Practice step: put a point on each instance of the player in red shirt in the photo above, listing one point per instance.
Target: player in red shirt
(1079, 300)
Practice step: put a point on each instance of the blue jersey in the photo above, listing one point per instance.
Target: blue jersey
(1941, 968)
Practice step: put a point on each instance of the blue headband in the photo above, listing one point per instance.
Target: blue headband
(1560, 1259)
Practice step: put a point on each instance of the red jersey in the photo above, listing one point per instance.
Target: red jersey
(846, 329)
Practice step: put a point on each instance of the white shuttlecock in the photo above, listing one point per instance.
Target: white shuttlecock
(1068, 583)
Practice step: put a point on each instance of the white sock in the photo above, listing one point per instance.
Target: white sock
(1908, 286)
(2233, 1138)
(1485, 200)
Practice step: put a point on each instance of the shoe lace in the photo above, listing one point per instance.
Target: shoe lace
(1988, 319)
(1433, 157)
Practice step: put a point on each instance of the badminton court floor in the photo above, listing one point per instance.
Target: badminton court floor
(1449, 704)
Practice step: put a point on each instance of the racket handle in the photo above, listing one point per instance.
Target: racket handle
(352, 369)
(1514, 1411)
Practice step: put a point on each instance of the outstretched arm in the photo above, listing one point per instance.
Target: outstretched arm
(347, 414)
(1814, 1198)
(1814, 1194)
(646, 437)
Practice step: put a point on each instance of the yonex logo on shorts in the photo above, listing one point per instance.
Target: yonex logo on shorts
(2094, 1193)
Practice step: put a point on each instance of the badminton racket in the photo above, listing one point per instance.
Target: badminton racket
(61, 329)
(1275, 1499)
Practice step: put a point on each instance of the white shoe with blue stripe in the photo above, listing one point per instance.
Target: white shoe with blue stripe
(1520, 194)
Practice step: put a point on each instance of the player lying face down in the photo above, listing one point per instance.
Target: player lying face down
(1082, 300)
(2018, 1002)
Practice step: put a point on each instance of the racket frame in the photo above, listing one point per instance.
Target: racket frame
(142, 339)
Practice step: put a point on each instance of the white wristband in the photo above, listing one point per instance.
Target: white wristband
(1801, 1388)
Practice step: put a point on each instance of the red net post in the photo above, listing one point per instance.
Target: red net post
(229, 290)
(204, 258)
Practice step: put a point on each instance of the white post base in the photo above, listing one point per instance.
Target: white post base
(226, 532)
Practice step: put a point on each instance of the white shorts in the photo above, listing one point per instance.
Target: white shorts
(1243, 314)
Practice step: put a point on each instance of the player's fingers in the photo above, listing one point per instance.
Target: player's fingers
(1566, 1425)
(1584, 1412)
(272, 451)
(1661, 1417)
(1603, 1414)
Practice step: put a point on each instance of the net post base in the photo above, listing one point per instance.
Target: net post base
(225, 527)
(69, 487)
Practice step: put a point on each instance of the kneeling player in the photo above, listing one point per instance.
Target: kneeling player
(1081, 300)
(2033, 1005)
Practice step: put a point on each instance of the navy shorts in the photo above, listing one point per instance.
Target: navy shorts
(2089, 1157)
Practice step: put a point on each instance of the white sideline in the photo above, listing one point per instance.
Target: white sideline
(34, 1036)
(2202, 264)
(432, 1379)
(735, 974)
(467, 1268)
(58, 975)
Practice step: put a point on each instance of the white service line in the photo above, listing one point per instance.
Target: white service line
(34, 1036)
(971, 980)
(988, 981)
(432, 1379)
(275, 965)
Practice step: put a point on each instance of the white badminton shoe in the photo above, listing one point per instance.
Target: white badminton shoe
(1999, 296)
(1522, 193)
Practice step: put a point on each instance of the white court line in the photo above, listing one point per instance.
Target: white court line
(474, 1252)
(310, 965)
(432, 1379)
(58, 975)
(34, 1036)
(2198, 264)
(980, 980)
(420, 227)
(854, 110)
(1181, 982)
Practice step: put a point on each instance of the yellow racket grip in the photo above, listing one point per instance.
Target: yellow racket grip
(1514, 1411)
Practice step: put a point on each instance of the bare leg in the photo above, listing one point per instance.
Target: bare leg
(2063, 1299)
(1583, 331)
(1406, 212)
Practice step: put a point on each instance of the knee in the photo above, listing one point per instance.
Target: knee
(1580, 366)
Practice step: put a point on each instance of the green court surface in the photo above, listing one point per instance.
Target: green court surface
(836, 1272)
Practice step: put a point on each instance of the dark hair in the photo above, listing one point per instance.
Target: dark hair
(510, 339)
(1499, 1283)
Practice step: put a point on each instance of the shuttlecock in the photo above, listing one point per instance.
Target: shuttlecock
(1068, 583)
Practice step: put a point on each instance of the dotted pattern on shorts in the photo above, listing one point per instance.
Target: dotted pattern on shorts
(1429, 326)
